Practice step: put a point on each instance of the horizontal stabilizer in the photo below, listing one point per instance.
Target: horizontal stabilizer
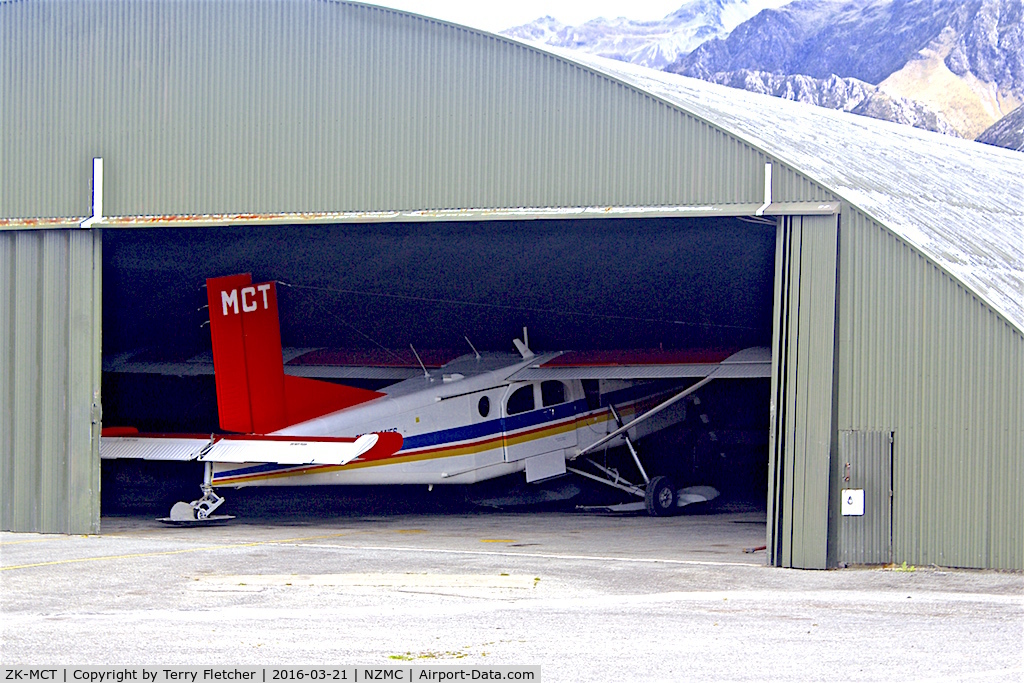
(287, 450)
(282, 450)
(290, 451)
(153, 447)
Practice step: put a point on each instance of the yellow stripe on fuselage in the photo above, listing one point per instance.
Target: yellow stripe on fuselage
(433, 453)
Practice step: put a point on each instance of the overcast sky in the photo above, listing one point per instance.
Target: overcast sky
(498, 16)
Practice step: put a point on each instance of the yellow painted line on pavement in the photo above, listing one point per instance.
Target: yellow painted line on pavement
(55, 537)
(167, 552)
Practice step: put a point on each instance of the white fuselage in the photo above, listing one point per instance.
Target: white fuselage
(465, 423)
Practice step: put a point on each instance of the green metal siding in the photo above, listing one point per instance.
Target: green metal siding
(801, 431)
(284, 106)
(49, 381)
(789, 184)
(922, 357)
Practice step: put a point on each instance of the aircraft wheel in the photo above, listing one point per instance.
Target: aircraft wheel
(660, 497)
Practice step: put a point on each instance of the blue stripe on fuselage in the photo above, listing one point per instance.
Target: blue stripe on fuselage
(494, 427)
(542, 415)
(465, 433)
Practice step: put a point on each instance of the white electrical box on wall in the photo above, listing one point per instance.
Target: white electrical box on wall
(852, 502)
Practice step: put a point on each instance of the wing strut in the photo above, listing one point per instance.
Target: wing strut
(635, 490)
(629, 444)
(646, 416)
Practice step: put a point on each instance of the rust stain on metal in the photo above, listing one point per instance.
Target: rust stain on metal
(219, 219)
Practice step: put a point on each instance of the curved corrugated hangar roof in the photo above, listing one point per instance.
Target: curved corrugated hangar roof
(901, 250)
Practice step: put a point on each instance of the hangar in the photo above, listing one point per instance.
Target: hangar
(883, 265)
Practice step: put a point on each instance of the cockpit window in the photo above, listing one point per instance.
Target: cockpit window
(520, 401)
(552, 393)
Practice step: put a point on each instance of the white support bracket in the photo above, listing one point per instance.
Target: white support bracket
(767, 190)
(97, 194)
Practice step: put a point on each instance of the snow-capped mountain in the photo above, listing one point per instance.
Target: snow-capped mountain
(951, 66)
(649, 43)
(963, 60)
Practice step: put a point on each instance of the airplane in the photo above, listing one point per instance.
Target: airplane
(476, 417)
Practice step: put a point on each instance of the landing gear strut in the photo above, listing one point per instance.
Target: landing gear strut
(199, 511)
(658, 496)
(658, 493)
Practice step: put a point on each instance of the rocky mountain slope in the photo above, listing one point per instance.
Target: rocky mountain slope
(1006, 132)
(963, 60)
(953, 67)
(844, 94)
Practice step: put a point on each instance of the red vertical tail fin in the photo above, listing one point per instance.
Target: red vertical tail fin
(253, 393)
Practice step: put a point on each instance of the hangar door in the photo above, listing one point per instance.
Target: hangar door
(801, 408)
(50, 380)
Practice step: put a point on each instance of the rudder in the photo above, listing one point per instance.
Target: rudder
(253, 393)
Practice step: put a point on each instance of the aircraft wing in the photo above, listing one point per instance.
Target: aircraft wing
(704, 366)
(653, 364)
(317, 363)
(283, 450)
